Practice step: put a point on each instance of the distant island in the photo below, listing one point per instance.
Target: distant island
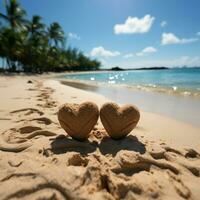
(143, 68)
(151, 68)
(117, 69)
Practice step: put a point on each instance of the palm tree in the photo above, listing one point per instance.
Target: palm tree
(35, 31)
(28, 45)
(14, 14)
(56, 34)
(15, 18)
(35, 26)
(12, 45)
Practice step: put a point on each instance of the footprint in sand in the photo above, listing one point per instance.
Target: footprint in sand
(19, 138)
(27, 111)
(43, 120)
(37, 187)
(28, 129)
(40, 120)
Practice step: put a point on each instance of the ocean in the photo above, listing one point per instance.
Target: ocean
(181, 81)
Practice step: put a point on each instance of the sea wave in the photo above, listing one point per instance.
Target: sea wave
(173, 90)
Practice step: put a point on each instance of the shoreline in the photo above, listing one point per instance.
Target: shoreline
(146, 88)
(177, 106)
(170, 90)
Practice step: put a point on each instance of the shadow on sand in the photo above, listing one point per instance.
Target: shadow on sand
(62, 144)
(130, 143)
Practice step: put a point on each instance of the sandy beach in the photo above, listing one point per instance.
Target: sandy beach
(159, 159)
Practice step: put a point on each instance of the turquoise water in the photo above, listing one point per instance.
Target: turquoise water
(184, 81)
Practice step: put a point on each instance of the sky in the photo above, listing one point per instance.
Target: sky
(127, 33)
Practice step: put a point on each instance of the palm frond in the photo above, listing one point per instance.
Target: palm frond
(3, 16)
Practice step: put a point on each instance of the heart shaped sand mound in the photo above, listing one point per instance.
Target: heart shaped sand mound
(78, 120)
(117, 121)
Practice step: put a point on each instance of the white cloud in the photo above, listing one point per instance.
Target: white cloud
(135, 25)
(74, 36)
(130, 55)
(163, 23)
(149, 50)
(146, 51)
(170, 38)
(198, 33)
(100, 51)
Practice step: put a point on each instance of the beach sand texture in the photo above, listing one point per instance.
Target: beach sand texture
(158, 160)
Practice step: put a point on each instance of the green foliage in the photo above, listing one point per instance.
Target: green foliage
(31, 46)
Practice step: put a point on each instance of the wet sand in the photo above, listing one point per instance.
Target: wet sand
(186, 109)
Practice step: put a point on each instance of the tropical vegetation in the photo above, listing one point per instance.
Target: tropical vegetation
(31, 46)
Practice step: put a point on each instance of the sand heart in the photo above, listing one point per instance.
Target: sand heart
(78, 120)
(117, 121)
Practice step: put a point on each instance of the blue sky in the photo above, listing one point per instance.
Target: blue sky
(128, 33)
